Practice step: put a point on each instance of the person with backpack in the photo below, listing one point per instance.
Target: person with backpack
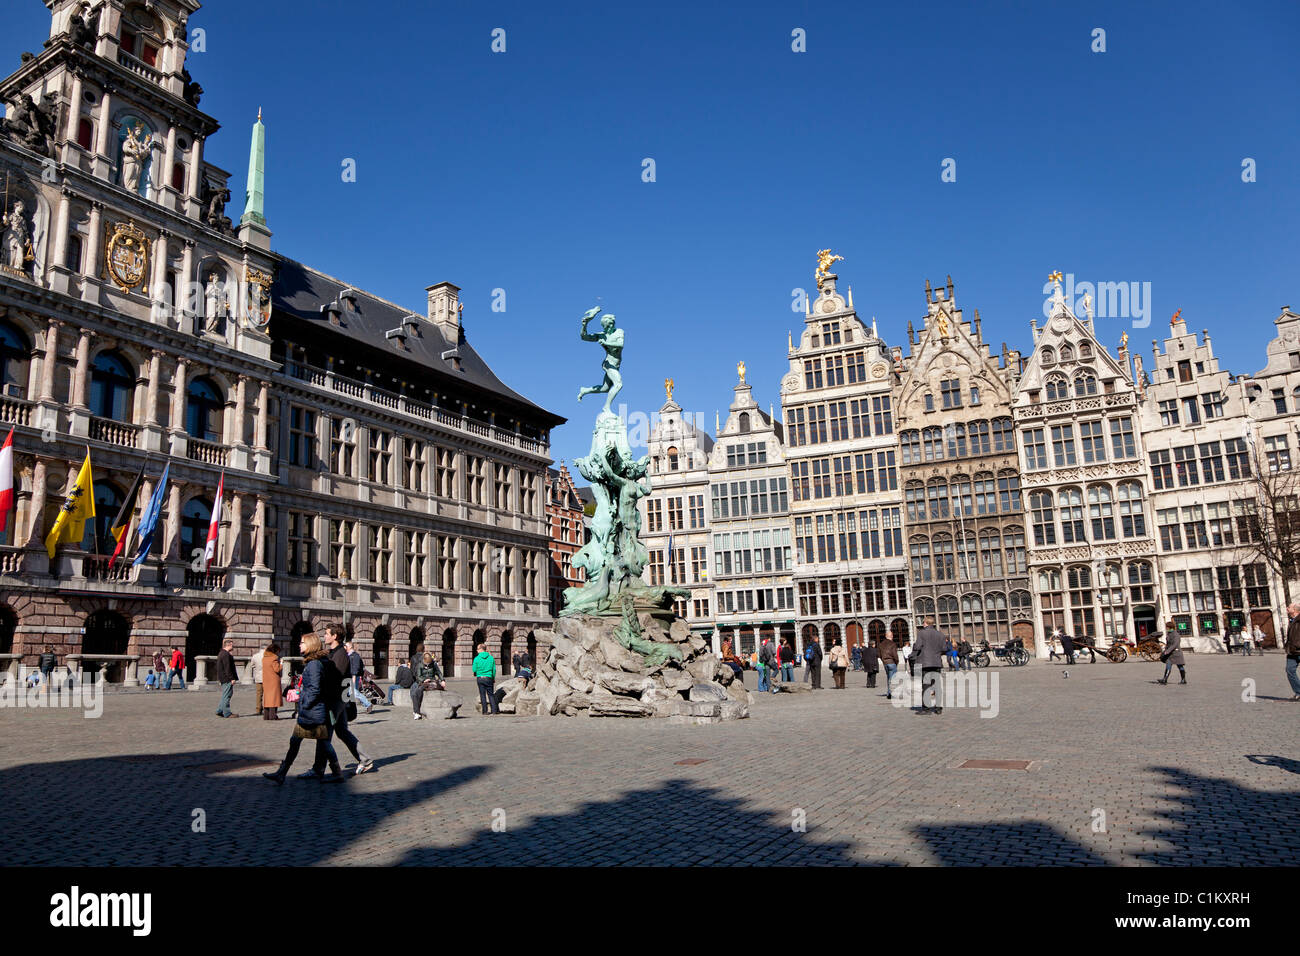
(812, 655)
(767, 663)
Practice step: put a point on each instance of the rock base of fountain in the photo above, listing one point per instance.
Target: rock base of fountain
(589, 672)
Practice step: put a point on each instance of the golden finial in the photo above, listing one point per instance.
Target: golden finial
(259, 114)
(668, 388)
(740, 370)
(824, 262)
(1174, 318)
(1123, 341)
(1055, 276)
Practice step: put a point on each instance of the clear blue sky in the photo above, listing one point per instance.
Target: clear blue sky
(522, 170)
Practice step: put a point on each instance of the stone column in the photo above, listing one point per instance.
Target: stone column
(259, 532)
(195, 173)
(179, 384)
(74, 110)
(259, 427)
(165, 188)
(151, 394)
(36, 508)
(105, 125)
(94, 241)
(241, 401)
(81, 378)
(173, 552)
(159, 278)
(236, 529)
(184, 318)
(60, 258)
(50, 360)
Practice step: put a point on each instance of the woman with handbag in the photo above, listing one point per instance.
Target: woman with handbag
(839, 660)
(272, 668)
(313, 716)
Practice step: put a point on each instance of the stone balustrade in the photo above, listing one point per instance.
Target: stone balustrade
(130, 663)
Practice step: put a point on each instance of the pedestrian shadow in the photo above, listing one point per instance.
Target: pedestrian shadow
(1005, 844)
(1220, 822)
(204, 808)
(1288, 764)
(677, 823)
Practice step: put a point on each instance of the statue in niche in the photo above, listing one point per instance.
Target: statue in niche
(17, 239)
(214, 297)
(135, 153)
(213, 199)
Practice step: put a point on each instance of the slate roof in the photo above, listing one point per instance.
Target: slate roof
(301, 292)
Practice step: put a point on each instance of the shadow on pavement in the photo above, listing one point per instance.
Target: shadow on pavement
(1004, 844)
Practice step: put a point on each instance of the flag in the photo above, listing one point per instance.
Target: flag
(6, 480)
(78, 508)
(672, 564)
(214, 526)
(149, 519)
(122, 523)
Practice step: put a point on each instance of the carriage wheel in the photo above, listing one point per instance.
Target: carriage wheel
(1148, 654)
(1118, 654)
(1020, 657)
(981, 659)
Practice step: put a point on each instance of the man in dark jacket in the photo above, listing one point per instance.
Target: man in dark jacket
(46, 664)
(767, 660)
(813, 655)
(357, 665)
(888, 652)
(403, 679)
(871, 662)
(1292, 649)
(337, 672)
(226, 677)
(928, 652)
(1171, 655)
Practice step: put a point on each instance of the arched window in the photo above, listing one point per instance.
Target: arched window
(1067, 354)
(914, 492)
(1052, 599)
(966, 567)
(15, 356)
(85, 134)
(972, 611)
(1070, 501)
(924, 607)
(1048, 355)
(979, 438)
(744, 421)
(1133, 522)
(1022, 603)
(98, 539)
(1101, 510)
(1141, 587)
(961, 496)
(986, 494)
(876, 630)
(829, 635)
(944, 569)
(195, 517)
(112, 387)
(1085, 351)
(937, 492)
(1040, 508)
(995, 609)
(141, 35)
(1085, 383)
(991, 554)
(1004, 436)
(920, 548)
(932, 442)
(948, 610)
(956, 435)
(672, 458)
(911, 442)
(1083, 622)
(203, 410)
(1057, 388)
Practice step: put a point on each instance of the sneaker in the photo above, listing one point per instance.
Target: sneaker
(363, 767)
(418, 716)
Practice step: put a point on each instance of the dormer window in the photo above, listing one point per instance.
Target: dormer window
(141, 36)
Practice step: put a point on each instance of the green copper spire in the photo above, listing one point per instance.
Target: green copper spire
(255, 196)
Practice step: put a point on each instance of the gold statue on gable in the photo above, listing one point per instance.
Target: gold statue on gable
(824, 262)
(668, 388)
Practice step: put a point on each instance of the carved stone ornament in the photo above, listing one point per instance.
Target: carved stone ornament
(126, 256)
(259, 298)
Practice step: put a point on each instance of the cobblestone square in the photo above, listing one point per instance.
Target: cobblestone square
(1192, 775)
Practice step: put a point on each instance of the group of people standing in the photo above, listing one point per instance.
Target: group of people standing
(776, 662)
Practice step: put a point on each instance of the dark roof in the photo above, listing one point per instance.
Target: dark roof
(301, 292)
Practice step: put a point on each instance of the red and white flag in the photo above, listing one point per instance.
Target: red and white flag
(6, 480)
(214, 528)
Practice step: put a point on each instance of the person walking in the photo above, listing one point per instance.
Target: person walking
(1292, 649)
(1171, 655)
(908, 650)
(227, 674)
(929, 651)
(785, 657)
(1258, 633)
(888, 652)
(1247, 643)
(358, 667)
(45, 664)
(871, 662)
(839, 663)
(255, 672)
(813, 655)
(856, 657)
(1067, 645)
(176, 668)
(271, 688)
(159, 668)
(312, 722)
(337, 672)
(766, 665)
(485, 674)
(963, 654)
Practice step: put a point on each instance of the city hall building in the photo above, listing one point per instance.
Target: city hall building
(377, 474)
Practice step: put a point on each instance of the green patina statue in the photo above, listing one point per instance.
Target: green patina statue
(615, 558)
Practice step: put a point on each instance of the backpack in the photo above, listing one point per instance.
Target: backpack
(809, 652)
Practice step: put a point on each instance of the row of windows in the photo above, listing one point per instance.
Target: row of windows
(859, 595)
(1214, 525)
(1103, 590)
(831, 371)
(992, 555)
(972, 439)
(749, 453)
(1058, 386)
(974, 610)
(1110, 514)
(848, 535)
(839, 421)
(681, 513)
(668, 566)
(1189, 465)
(1091, 447)
(752, 552)
(983, 495)
(1211, 405)
(950, 395)
(818, 478)
(1047, 355)
(758, 496)
(755, 599)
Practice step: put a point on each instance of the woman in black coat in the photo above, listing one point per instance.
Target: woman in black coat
(871, 661)
(313, 719)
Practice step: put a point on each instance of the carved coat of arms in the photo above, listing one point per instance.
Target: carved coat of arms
(259, 298)
(126, 257)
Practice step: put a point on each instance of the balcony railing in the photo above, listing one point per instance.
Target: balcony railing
(114, 432)
(15, 411)
(207, 452)
(139, 67)
(409, 406)
(11, 560)
(95, 568)
(205, 580)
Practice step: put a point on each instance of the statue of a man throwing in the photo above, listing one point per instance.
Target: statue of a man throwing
(612, 340)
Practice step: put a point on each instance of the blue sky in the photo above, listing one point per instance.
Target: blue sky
(522, 170)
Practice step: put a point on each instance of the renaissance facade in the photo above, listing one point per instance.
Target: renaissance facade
(376, 473)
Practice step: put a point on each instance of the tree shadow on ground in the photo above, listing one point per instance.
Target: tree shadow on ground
(676, 823)
(1028, 843)
(1218, 822)
(146, 810)
(1288, 764)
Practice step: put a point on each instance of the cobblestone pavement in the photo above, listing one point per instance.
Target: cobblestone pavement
(1183, 775)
